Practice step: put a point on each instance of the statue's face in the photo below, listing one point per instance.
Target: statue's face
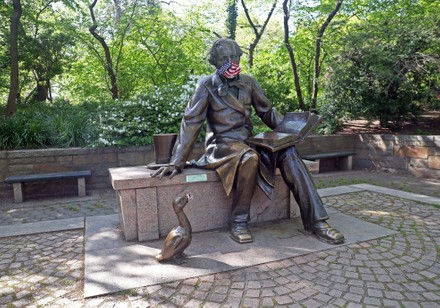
(226, 52)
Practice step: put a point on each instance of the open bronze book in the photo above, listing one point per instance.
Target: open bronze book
(294, 128)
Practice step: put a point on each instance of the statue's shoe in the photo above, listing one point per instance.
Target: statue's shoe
(240, 233)
(327, 234)
(241, 236)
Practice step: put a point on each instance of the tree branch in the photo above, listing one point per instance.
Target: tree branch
(108, 63)
(292, 55)
(319, 36)
(257, 33)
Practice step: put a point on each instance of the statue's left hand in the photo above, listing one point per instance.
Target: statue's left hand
(170, 169)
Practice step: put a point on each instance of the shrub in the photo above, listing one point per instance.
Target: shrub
(39, 126)
(73, 129)
(25, 130)
(134, 121)
(387, 70)
(130, 122)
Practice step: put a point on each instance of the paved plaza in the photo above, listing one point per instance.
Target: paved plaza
(396, 268)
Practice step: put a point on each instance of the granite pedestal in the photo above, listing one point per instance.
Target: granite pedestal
(145, 202)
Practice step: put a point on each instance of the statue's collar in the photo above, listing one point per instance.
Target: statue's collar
(222, 84)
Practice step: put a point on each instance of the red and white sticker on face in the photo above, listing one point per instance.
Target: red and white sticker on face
(230, 69)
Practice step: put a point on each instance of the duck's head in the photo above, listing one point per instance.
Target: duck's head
(180, 202)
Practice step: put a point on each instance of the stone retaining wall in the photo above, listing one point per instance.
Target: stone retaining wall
(417, 155)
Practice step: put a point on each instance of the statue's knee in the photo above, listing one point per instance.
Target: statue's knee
(290, 153)
(250, 159)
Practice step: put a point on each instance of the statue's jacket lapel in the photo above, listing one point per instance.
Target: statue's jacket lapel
(229, 99)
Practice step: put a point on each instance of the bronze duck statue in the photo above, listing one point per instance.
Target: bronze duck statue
(180, 237)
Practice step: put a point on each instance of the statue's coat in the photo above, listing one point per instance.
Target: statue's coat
(229, 125)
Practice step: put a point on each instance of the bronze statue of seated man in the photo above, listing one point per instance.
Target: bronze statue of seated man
(225, 100)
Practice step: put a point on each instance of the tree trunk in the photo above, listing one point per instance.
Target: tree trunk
(231, 22)
(258, 34)
(319, 36)
(292, 56)
(14, 84)
(49, 90)
(108, 65)
(41, 93)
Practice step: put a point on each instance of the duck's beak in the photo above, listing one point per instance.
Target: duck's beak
(188, 197)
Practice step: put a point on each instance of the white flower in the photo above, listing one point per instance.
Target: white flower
(104, 141)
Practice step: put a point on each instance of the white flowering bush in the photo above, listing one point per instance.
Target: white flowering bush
(130, 122)
(133, 122)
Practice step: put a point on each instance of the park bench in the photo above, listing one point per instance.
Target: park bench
(332, 160)
(17, 181)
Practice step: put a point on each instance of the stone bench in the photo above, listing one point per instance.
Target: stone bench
(17, 181)
(145, 203)
(332, 160)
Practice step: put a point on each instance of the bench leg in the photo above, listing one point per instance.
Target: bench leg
(81, 187)
(318, 161)
(18, 192)
(346, 163)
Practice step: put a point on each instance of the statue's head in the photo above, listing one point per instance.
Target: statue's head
(224, 49)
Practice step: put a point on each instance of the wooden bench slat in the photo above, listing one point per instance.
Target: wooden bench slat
(47, 176)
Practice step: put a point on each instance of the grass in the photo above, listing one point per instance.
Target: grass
(100, 205)
(72, 208)
(400, 186)
(130, 292)
(68, 282)
(325, 183)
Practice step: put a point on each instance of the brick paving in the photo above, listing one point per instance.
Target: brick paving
(101, 203)
(402, 270)
(41, 270)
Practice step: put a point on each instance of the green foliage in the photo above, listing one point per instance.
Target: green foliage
(45, 39)
(387, 71)
(134, 121)
(128, 122)
(25, 130)
(274, 75)
(379, 60)
(73, 126)
(4, 50)
(47, 54)
(231, 21)
(149, 49)
(55, 125)
(333, 116)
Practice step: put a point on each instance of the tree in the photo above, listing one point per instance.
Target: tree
(319, 36)
(107, 61)
(257, 32)
(43, 48)
(296, 79)
(389, 66)
(46, 50)
(317, 53)
(46, 56)
(231, 21)
(14, 85)
(159, 47)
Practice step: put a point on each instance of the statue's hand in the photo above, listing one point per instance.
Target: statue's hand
(170, 169)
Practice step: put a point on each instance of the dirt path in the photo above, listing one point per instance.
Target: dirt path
(427, 124)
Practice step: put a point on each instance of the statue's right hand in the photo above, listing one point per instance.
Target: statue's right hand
(170, 169)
